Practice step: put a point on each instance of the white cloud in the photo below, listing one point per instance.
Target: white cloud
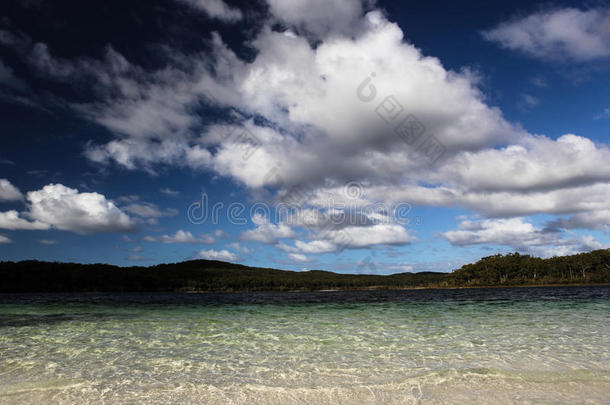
(212, 254)
(220, 234)
(181, 237)
(379, 234)
(66, 209)
(312, 247)
(351, 237)
(501, 203)
(216, 9)
(604, 114)
(134, 153)
(539, 81)
(13, 221)
(131, 198)
(144, 210)
(310, 93)
(297, 257)
(48, 242)
(599, 219)
(529, 101)
(537, 164)
(510, 232)
(8, 192)
(168, 191)
(519, 235)
(568, 247)
(5, 239)
(558, 34)
(320, 17)
(299, 87)
(403, 268)
(266, 232)
(239, 248)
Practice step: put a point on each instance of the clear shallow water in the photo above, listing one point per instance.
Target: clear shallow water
(525, 345)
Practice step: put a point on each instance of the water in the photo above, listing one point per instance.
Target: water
(520, 345)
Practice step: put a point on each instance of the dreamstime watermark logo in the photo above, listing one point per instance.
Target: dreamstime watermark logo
(331, 215)
(407, 127)
(331, 221)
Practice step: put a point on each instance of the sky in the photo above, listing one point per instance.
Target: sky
(352, 136)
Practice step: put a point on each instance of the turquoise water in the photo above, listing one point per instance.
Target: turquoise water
(337, 348)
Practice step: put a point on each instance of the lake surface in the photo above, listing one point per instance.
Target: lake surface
(469, 346)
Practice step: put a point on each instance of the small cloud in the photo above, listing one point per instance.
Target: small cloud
(542, 35)
(44, 174)
(8, 192)
(215, 9)
(171, 212)
(148, 212)
(127, 238)
(603, 115)
(182, 237)
(528, 102)
(267, 232)
(6, 162)
(404, 268)
(48, 242)
(5, 239)
(220, 234)
(14, 221)
(60, 207)
(297, 257)
(539, 81)
(239, 248)
(144, 210)
(128, 198)
(169, 192)
(211, 254)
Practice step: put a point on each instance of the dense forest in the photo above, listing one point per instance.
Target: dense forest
(205, 275)
(516, 269)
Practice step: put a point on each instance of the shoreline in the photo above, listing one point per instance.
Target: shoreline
(367, 289)
(401, 288)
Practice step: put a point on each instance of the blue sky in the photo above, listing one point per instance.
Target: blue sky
(110, 132)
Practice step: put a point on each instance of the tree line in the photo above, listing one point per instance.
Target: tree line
(206, 275)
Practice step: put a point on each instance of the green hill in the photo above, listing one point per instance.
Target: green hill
(205, 275)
